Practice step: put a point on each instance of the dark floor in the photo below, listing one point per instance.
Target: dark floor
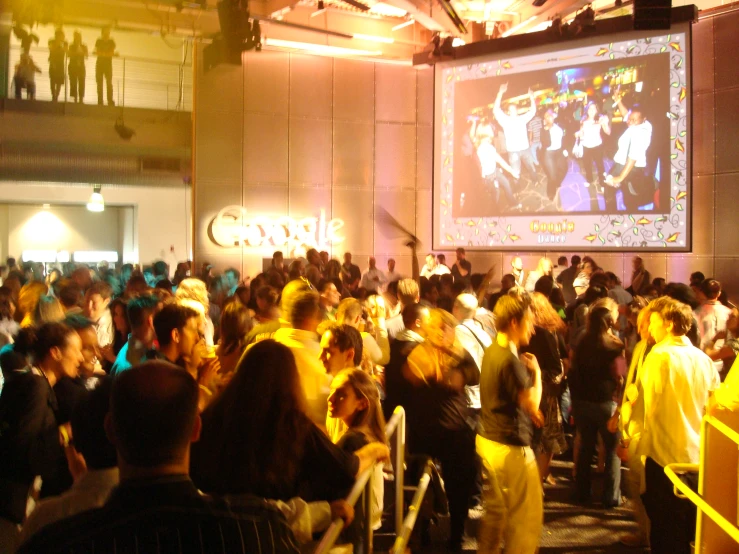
(568, 527)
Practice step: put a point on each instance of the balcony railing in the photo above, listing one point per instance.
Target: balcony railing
(137, 82)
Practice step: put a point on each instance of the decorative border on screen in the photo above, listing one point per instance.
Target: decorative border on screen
(618, 231)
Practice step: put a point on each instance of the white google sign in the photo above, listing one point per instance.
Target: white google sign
(231, 227)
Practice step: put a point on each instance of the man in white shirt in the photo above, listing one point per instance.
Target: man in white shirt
(429, 268)
(518, 272)
(97, 300)
(391, 274)
(492, 165)
(373, 278)
(516, 133)
(630, 163)
(676, 379)
(711, 316)
(472, 337)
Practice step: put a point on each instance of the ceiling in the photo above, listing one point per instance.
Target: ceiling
(376, 33)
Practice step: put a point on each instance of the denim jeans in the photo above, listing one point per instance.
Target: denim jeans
(591, 419)
(516, 159)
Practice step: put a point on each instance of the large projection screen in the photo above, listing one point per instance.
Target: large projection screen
(582, 145)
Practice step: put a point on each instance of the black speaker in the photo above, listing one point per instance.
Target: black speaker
(218, 52)
(652, 14)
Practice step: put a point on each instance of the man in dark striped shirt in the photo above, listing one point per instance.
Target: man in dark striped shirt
(156, 508)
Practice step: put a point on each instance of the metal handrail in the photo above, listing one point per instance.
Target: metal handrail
(684, 491)
(396, 427)
(404, 535)
(156, 93)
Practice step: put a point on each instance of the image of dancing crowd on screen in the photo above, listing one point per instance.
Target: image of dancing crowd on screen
(534, 141)
(74, 54)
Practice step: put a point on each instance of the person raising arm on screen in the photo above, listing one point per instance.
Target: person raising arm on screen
(490, 165)
(515, 131)
(630, 161)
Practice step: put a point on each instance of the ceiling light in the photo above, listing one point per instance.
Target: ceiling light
(521, 25)
(96, 202)
(381, 8)
(399, 26)
(320, 10)
(320, 49)
(374, 38)
(458, 42)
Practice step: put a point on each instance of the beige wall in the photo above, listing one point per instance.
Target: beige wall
(287, 134)
(160, 218)
(70, 228)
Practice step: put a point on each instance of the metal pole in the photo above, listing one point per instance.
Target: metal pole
(404, 534)
(399, 468)
(368, 531)
(123, 103)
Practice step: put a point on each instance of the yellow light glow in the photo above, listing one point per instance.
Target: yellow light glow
(319, 49)
(43, 230)
(374, 38)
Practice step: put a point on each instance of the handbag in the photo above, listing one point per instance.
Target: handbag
(578, 149)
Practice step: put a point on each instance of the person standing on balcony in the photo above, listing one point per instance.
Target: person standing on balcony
(25, 76)
(105, 51)
(77, 54)
(57, 52)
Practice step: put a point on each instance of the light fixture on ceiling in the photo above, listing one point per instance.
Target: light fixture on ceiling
(320, 49)
(96, 202)
(320, 10)
(515, 28)
(405, 23)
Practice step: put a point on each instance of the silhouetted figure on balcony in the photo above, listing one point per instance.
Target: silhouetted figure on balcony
(57, 53)
(105, 51)
(25, 76)
(77, 54)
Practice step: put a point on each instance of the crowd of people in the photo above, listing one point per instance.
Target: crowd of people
(67, 62)
(149, 410)
(508, 142)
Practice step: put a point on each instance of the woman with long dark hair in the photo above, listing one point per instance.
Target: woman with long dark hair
(257, 439)
(31, 440)
(598, 367)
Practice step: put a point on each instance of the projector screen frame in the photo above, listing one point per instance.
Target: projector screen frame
(683, 244)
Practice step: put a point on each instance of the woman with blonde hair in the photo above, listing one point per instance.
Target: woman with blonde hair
(547, 344)
(354, 400)
(48, 310)
(192, 292)
(28, 299)
(544, 267)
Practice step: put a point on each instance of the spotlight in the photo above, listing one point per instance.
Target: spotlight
(124, 132)
(320, 10)
(96, 202)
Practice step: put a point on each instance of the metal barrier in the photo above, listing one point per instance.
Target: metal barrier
(395, 427)
(137, 82)
(404, 534)
(684, 491)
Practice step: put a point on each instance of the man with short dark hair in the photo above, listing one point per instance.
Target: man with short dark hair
(559, 268)
(676, 381)
(152, 421)
(567, 278)
(350, 273)
(178, 331)
(506, 283)
(413, 317)
(408, 293)
(510, 392)
(141, 311)
(233, 278)
(341, 348)
(97, 299)
(711, 317)
(330, 298)
(462, 268)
